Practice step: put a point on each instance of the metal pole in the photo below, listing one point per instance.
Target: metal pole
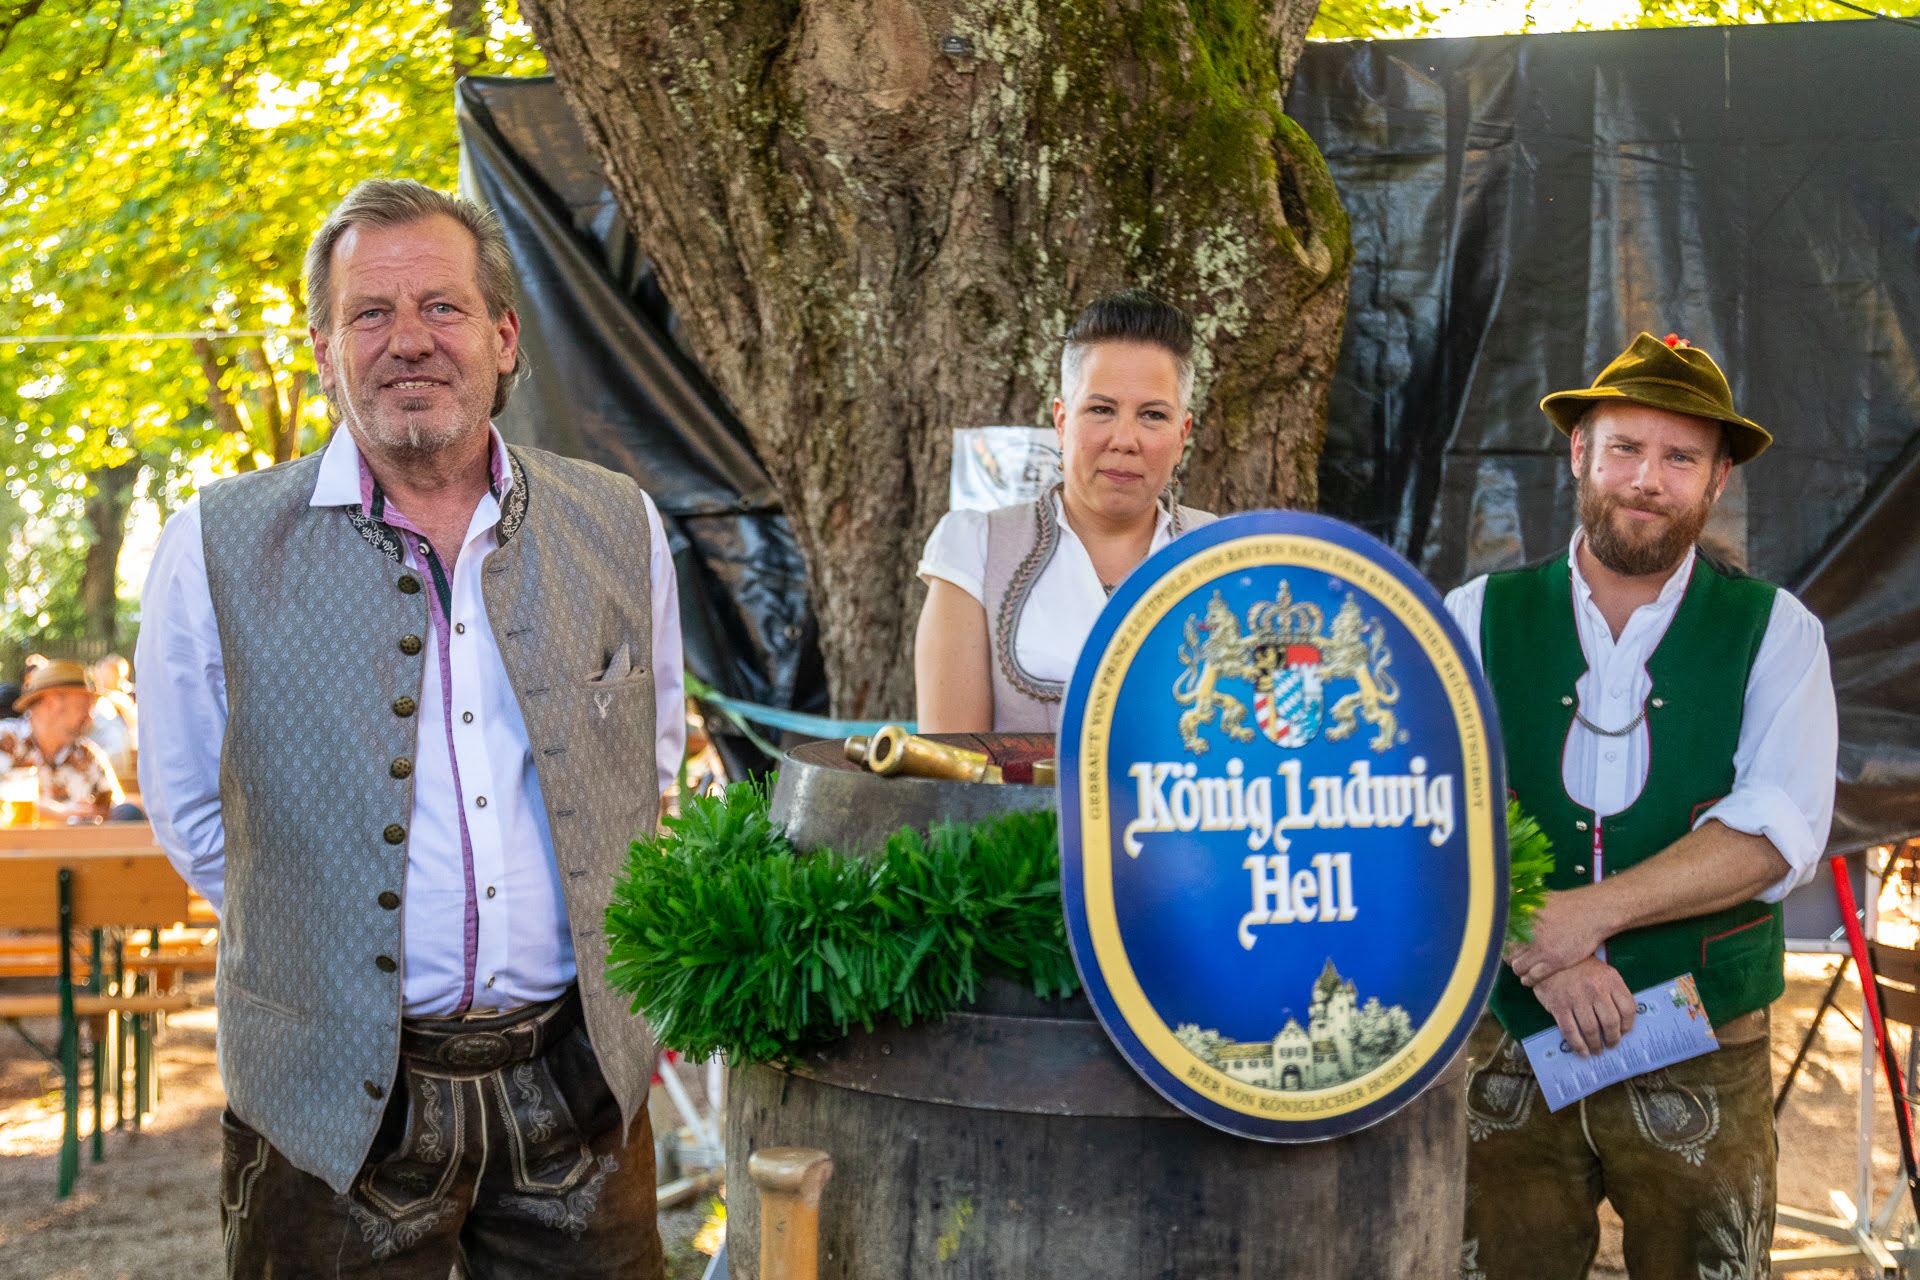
(69, 1044)
(153, 1029)
(119, 1032)
(1813, 1031)
(96, 1039)
(1902, 1118)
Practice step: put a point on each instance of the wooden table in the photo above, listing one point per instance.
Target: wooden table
(110, 876)
(121, 876)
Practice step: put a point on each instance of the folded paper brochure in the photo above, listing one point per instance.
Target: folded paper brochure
(1670, 1025)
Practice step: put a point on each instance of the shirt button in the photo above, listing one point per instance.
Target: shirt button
(373, 1090)
(410, 645)
(481, 801)
(404, 707)
(385, 964)
(389, 899)
(401, 768)
(394, 833)
(491, 891)
(490, 978)
(459, 628)
(1612, 756)
(466, 717)
(408, 584)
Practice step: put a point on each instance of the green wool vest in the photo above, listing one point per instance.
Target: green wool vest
(1531, 652)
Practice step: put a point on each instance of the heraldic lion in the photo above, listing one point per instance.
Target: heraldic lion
(1217, 650)
(1354, 652)
(1224, 653)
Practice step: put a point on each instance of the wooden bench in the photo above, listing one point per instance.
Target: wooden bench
(99, 878)
(89, 1006)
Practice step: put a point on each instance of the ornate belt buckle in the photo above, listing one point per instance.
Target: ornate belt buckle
(475, 1051)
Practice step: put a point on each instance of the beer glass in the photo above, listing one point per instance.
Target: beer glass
(19, 796)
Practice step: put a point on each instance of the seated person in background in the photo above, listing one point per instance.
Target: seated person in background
(1013, 593)
(56, 705)
(114, 728)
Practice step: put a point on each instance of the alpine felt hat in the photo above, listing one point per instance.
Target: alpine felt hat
(51, 676)
(1673, 375)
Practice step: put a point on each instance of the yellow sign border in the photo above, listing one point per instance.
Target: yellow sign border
(1481, 808)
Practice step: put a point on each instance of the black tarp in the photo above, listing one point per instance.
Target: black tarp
(608, 382)
(1521, 207)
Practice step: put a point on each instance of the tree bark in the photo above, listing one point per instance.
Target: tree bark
(877, 217)
(99, 575)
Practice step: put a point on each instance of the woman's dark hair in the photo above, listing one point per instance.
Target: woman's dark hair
(1132, 315)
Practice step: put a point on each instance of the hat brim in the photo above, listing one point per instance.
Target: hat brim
(25, 700)
(1746, 439)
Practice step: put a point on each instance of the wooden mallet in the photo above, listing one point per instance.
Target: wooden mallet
(789, 1180)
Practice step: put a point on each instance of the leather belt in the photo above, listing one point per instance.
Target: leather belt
(480, 1043)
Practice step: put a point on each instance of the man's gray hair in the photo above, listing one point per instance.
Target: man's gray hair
(1132, 315)
(399, 202)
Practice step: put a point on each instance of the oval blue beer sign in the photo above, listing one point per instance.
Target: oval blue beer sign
(1283, 827)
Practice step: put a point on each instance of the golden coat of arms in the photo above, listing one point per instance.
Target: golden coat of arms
(1283, 653)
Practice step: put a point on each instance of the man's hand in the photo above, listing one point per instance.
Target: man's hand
(1566, 930)
(1591, 1004)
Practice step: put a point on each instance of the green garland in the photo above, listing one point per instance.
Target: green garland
(1529, 862)
(732, 942)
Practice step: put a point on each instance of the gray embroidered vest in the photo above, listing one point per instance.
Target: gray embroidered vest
(1021, 539)
(324, 658)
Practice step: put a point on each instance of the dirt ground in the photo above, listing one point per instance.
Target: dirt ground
(148, 1211)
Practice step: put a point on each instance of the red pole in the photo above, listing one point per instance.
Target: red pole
(1863, 964)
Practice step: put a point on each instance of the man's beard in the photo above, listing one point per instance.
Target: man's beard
(406, 430)
(1657, 549)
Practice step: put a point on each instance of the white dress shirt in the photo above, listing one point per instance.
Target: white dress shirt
(1783, 763)
(1064, 603)
(524, 950)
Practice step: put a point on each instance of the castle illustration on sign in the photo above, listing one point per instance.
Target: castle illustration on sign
(1342, 1041)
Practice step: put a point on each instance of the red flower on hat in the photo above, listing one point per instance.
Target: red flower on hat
(1676, 341)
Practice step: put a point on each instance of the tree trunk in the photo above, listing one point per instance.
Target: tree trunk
(220, 402)
(467, 23)
(99, 576)
(877, 217)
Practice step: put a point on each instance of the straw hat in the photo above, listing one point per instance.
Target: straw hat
(1673, 375)
(50, 676)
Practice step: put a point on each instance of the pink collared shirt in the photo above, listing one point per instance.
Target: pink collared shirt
(485, 923)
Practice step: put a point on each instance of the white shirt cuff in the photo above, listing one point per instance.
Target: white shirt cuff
(1761, 810)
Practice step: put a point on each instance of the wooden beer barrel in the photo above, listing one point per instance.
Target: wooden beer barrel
(1011, 1140)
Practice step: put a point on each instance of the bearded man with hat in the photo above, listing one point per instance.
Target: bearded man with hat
(56, 706)
(1670, 723)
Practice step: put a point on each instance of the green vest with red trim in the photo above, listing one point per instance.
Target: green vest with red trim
(1530, 649)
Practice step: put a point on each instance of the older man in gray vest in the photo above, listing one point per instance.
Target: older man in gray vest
(405, 704)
